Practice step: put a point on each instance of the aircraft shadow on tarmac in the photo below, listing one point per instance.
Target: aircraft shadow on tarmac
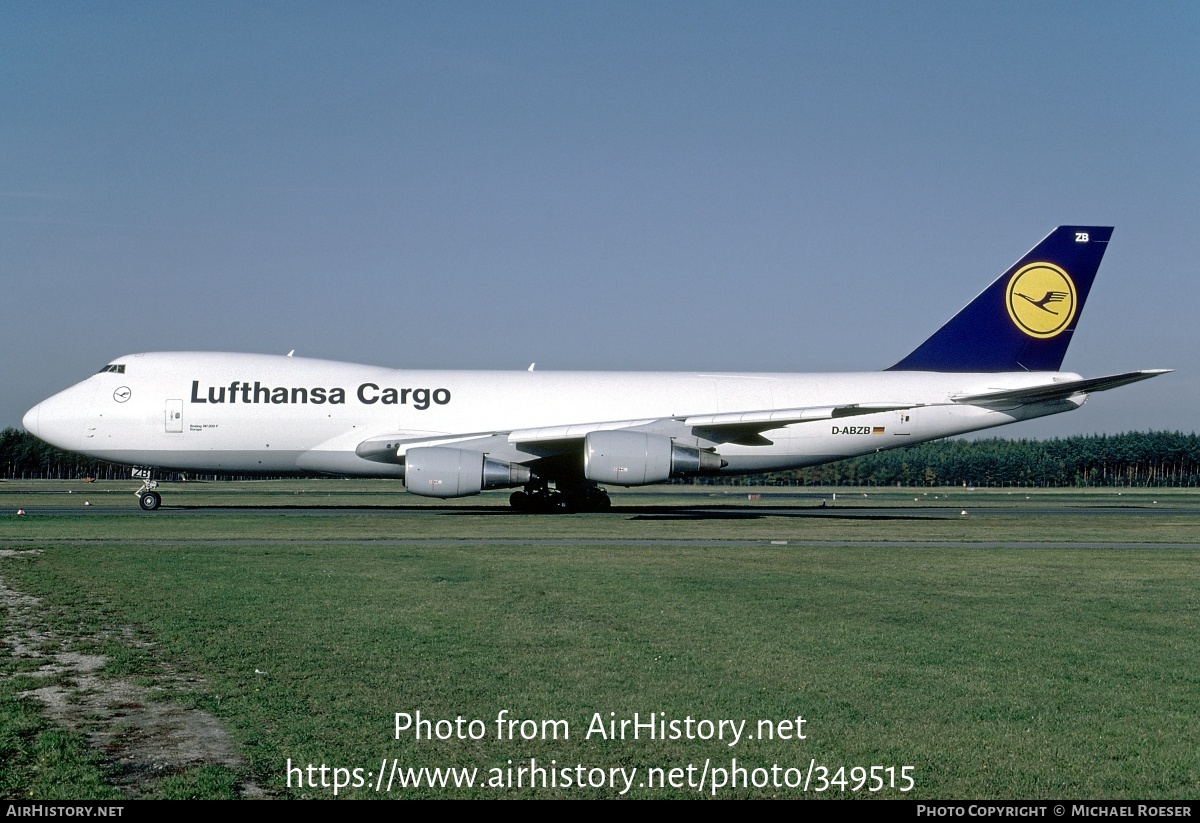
(630, 512)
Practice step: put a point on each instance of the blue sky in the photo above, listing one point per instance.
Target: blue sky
(643, 186)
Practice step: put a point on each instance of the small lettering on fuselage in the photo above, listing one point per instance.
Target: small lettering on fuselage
(858, 429)
(368, 394)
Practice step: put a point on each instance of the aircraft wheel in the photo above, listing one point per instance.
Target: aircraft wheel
(150, 501)
(519, 501)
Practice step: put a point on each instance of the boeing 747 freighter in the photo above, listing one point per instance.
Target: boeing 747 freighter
(560, 437)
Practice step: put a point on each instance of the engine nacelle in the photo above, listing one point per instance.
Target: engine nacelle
(625, 458)
(437, 471)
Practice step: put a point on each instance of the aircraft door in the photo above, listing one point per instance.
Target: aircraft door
(174, 416)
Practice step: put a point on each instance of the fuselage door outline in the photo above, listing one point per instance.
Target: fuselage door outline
(174, 416)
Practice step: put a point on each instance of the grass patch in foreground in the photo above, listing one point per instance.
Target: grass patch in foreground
(200, 783)
(994, 673)
(40, 761)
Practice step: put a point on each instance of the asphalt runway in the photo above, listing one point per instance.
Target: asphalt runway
(644, 513)
(711, 512)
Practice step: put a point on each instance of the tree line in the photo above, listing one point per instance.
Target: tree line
(24, 457)
(1130, 459)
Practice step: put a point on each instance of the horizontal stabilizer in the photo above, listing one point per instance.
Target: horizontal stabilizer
(1058, 391)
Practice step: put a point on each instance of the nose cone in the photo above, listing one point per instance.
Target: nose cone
(59, 420)
(30, 420)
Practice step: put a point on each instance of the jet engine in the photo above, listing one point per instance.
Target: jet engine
(437, 471)
(625, 458)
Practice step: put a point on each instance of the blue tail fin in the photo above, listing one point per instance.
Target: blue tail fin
(1025, 319)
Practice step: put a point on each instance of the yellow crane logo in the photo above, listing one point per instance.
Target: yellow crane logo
(1041, 300)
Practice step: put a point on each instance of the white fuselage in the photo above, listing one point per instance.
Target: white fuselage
(247, 413)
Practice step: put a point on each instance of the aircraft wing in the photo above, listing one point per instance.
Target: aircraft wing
(743, 428)
(753, 422)
(1057, 391)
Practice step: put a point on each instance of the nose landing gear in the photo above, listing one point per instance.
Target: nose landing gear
(147, 497)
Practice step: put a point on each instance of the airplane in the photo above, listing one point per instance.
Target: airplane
(560, 437)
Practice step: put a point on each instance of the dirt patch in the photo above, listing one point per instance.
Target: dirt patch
(141, 735)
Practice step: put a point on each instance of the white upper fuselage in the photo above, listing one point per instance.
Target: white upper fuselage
(250, 413)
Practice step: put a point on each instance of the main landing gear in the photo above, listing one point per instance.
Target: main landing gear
(542, 499)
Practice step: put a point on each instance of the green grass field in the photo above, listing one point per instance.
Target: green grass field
(991, 671)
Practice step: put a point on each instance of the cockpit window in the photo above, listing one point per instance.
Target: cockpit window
(115, 368)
